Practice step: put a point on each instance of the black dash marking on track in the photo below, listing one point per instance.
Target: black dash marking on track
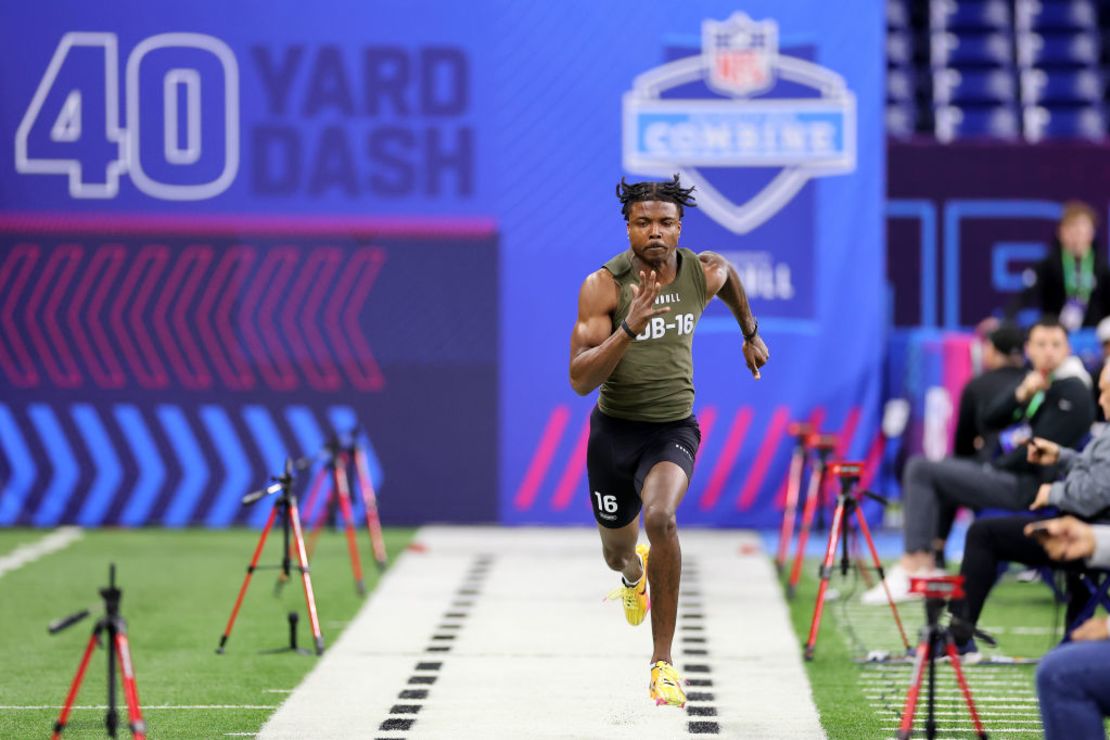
(701, 711)
(695, 696)
(691, 627)
(695, 651)
(695, 668)
(397, 724)
(472, 582)
(691, 638)
(699, 682)
(704, 728)
(693, 615)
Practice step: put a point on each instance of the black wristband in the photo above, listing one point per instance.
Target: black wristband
(628, 330)
(750, 337)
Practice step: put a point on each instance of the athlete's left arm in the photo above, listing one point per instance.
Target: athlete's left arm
(722, 280)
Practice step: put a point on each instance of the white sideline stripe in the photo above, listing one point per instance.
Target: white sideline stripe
(32, 551)
(144, 707)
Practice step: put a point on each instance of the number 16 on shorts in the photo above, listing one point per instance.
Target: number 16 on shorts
(608, 504)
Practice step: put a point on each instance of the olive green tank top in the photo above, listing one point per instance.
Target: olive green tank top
(654, 381)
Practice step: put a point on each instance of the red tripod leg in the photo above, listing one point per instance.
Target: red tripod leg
(816, 482)
(247, 580)
(866, 531)
(321, 515)
(954, 659)
(76, 685)
(343, 491)
(826, 573)
(370, 503)
(309, 597)
(130, 689)
(790, 510)
(313, 494)
(919, 662)
(861, 565)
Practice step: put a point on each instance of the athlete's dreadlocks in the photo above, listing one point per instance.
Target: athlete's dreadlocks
(670, 192)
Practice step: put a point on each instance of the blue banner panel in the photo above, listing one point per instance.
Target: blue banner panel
(155, 375)
(500, 130)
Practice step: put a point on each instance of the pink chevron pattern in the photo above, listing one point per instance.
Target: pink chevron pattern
(541, 458)
(57, 274)
(775, 431)
(17, 365)
(572, 473)
(725, 461)
(184, 353)
(110, 315)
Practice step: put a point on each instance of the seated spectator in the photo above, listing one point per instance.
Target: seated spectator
(1003, 368)
(1073, 281)
(1102, 333)
(1073, 680)
(1039, 405)
(1084, 492)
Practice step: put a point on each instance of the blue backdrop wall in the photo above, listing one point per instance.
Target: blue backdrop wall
(227, 231)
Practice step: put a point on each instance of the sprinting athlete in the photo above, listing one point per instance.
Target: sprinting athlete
(633, 337)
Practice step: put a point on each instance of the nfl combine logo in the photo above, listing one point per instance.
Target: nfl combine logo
(743, 119)
(739, 53)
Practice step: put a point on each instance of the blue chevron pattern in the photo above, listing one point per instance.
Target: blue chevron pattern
(132, 465)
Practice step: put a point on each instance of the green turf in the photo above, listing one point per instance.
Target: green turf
(178, 590)
(1013, 611)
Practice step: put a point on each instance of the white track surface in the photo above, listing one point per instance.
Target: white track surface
(538, 654)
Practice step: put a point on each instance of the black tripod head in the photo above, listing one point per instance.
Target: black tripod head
(111, 596)
(281, 483)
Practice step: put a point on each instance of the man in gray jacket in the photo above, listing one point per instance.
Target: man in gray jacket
(1083, 491)
(1073, 680)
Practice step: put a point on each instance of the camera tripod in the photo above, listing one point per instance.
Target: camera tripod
(285, 506)
(118, 649)
(935, 640)
(800, 432)
(823, 445)
(848, 503)
(338, 459)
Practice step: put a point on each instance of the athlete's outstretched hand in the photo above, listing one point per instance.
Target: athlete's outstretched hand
(756, 355)
(643, 303)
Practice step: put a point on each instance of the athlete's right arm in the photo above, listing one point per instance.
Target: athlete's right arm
(595, 349)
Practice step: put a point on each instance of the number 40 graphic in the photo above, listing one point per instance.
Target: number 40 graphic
(72, 125)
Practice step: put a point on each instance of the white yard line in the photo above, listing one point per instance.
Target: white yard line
(59, 539)
(537, 654)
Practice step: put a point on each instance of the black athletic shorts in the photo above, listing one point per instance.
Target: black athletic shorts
(620, 455)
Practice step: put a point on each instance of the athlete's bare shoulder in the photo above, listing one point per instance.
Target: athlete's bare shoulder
(716, 271)
(599, 293)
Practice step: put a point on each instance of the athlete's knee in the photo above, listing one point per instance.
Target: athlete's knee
(617, 558)
(660, 522)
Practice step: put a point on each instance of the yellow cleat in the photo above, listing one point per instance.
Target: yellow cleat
(666, 685)
(635, 597)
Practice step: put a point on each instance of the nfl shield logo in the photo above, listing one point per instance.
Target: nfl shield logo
(739, 54)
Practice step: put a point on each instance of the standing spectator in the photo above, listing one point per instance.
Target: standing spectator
(1073, 281)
